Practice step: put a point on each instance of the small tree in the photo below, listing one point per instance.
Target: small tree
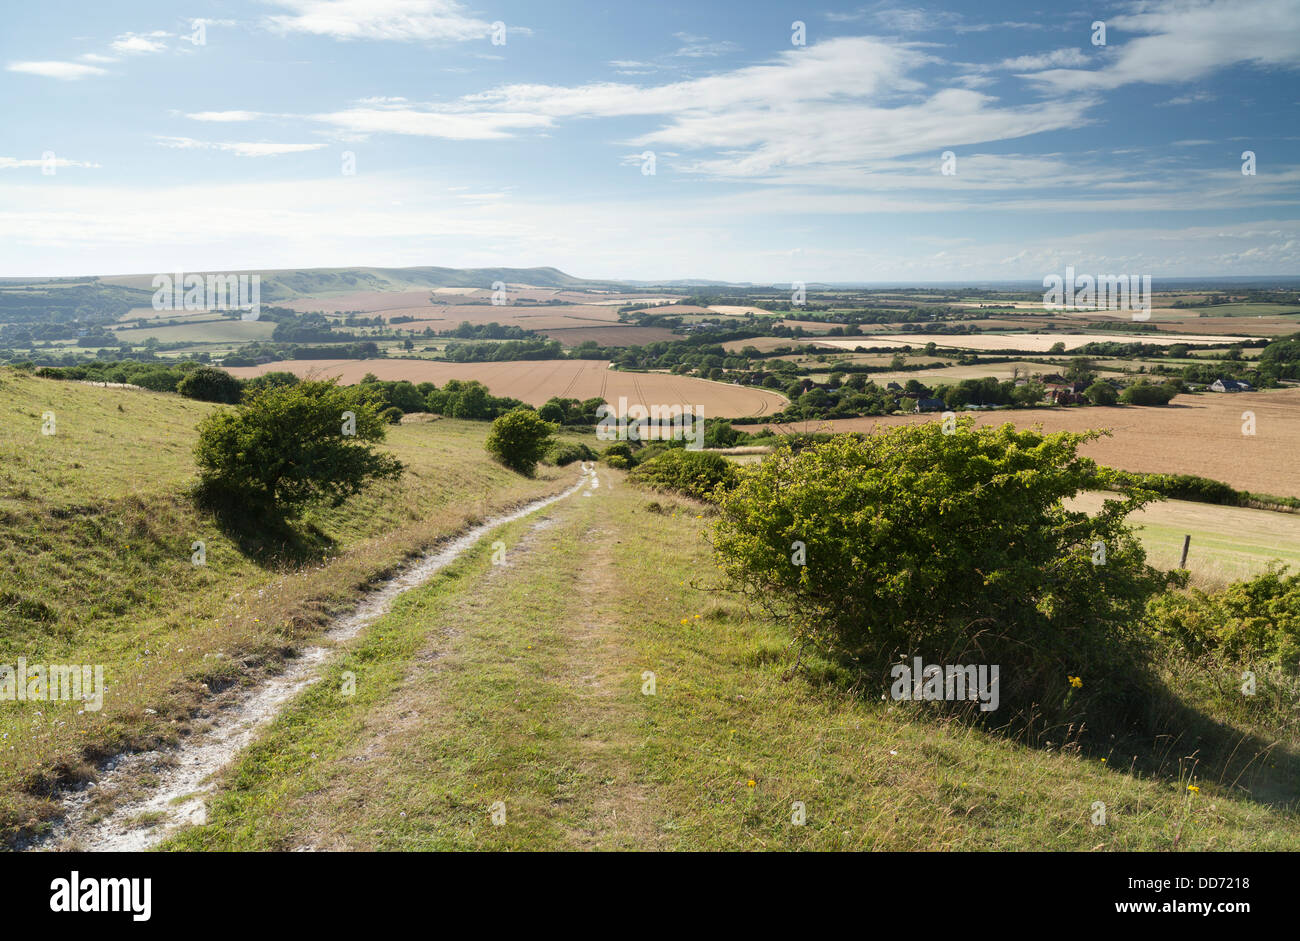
(1144, 392)
(1101, 393)
(519, 439)
(209, 384)
(289, 446)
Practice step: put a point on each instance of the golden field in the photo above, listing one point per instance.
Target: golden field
(1194, 434)
(535, 381)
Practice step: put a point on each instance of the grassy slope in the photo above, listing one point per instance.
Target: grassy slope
(95, 538)
(523, 684)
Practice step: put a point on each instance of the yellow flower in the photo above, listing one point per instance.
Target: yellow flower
(686, 620)
(1193, 788)
(1075, 681)
(750, 783)
(697, 617)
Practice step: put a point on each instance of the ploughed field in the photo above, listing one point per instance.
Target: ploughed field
(1194, 434)
(535, 381)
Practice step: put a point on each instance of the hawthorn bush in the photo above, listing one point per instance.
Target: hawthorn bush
(1256, 619)
(285, 447)
(209, 384)
(519, 439)
(953, 547)
(697, 474)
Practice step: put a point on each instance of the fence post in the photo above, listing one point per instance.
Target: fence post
(1187, 541)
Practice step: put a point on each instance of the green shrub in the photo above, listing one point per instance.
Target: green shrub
(1101, 393)
(1143, 392)
(519, 439)
(619, 449)
(209, 384)
(564, 453)
(953, 547)
(1189, 487)
(618, 461)
(697, 474)
(1254, 619)
(269, 379)
(288, 446)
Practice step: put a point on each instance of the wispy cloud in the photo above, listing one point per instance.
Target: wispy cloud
(395, 20)
(1185, 40)
(67, 71)
(140, 43)
(225, 116)
(13, 163)
(239, 148)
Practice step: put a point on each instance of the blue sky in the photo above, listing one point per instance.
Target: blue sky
(773, 162)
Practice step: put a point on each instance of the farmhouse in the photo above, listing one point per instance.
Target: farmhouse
(930, 405)
(1230, 385)
(1064, 393)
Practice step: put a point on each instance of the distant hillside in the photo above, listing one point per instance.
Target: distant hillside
(286, 284)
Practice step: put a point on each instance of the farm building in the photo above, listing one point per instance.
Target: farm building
(930, 405)
(1230, 385)
(1064, 393)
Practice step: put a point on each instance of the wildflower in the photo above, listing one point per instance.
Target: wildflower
(697, 617)
(1075, 681)
(686, 620)
(750, 783)
(1193, 788)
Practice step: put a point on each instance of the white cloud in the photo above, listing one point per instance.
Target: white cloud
(399, 20)
(225, 116)
(13, 163)
(701, 47)
(1184, 40)
(1057, 57)
(482, 125)
(839, 102)
(140, 43)
(68, 71)
(1194, 98)
(239, 148)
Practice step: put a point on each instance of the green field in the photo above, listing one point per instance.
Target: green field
(208, 331)
(1228, 542)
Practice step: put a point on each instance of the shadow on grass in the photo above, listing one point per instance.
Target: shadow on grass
(270, 539)
(1142, 727)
